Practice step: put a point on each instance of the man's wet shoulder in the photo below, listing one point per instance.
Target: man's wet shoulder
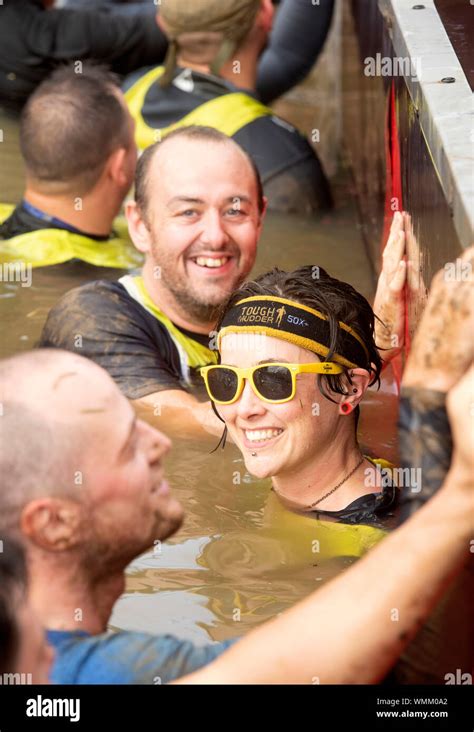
(93, 296)
(93, 307)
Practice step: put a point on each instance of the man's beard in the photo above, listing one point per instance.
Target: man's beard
(194, 306)
(200, 312)
(103, 556)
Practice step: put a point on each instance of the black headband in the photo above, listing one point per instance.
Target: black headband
(299, 324)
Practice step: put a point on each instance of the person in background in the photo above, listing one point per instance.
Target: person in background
(76, 138)
(198, 225)
(35, 38)
(296, 40)
(209, 78)
(118, 7)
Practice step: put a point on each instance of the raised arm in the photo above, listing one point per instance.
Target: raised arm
(441, 351)
(179, 414)
(297, 38)
(443, 347)
(389, 306)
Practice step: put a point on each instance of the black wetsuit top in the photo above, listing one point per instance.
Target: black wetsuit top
(380, 509)
(120, 335)
(33, 41)
(375, 509)
(21, 221)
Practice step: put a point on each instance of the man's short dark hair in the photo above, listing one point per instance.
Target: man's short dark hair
(192, 132)
(70, 126)
(12, 587)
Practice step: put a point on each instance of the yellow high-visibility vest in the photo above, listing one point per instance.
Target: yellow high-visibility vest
(191, 353)
(307, 537)
(45, 247)
(227, 113)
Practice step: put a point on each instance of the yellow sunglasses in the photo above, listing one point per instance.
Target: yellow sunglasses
(272, 382)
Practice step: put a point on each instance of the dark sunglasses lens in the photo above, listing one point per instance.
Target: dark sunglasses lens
(222, 384)
(273, 382)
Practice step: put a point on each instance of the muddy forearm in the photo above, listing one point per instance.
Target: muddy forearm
(179, 415)
(425, 445)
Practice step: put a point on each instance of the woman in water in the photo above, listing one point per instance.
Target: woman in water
(297, 354)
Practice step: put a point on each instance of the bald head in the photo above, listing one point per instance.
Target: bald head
(54, 383)
(191, 136)
(48, 401)
(83, 478)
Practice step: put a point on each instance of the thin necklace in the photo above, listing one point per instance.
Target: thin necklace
(338, 485)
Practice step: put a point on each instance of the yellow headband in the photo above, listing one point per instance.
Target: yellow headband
(296, 323)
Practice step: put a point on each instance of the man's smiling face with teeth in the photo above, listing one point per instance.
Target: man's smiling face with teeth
(204, 220)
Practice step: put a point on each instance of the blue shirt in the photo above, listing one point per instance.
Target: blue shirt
(126, 657)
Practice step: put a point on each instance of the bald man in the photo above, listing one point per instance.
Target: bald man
(85, 512)
(84, 488)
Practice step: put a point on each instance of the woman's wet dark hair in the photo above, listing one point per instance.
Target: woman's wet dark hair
(338, 301)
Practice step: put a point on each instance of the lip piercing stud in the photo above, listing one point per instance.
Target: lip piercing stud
(254, 454)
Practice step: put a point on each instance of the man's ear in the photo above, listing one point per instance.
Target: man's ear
(52, 523)
(137, 227)
(266, 15)
(161, 24)
(263, 212)
(116, 167)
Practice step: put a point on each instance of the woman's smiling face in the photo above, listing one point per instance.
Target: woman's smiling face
(277, 438)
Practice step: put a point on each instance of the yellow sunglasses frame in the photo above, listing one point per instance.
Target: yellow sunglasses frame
(324, 367)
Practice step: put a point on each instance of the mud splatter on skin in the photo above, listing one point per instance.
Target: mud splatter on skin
(383, 337)
(425, 442)
(441, 336)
